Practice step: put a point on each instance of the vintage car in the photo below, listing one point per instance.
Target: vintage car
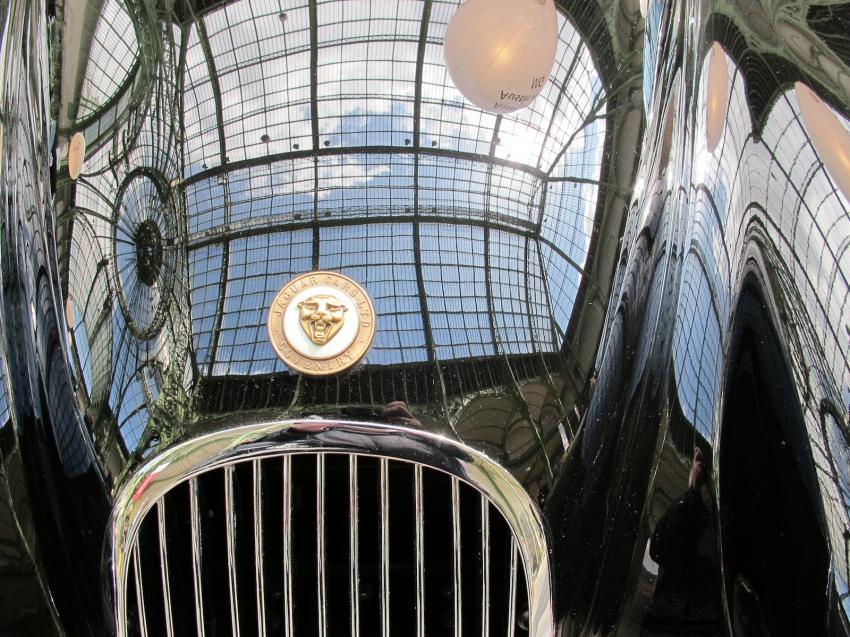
(295, 340)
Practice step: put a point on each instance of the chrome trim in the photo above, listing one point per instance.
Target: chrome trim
(163, 564)
(485, 567)
(288, 630)
(140, 593)
(456, 558)
(321, 593)
(512, 573)
(255, 441)
(258, 545)
(230, 522)
(353, 546)
(385, 550)
(420, 551)
(197, 552)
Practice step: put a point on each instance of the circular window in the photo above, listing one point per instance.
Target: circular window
(144, 240)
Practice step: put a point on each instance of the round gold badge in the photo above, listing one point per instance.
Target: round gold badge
(321, 323)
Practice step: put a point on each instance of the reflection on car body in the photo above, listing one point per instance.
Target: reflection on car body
(609, 381)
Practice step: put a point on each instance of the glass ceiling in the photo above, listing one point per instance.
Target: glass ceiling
(113, 57)
(283, 136)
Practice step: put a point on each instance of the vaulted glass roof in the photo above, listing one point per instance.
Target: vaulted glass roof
(278, 137)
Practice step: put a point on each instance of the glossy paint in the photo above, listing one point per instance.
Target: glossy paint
(686, 440)
(228, 446)
(54, 498)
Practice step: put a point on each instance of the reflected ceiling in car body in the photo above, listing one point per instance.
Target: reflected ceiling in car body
(648, 335)
(250, 142)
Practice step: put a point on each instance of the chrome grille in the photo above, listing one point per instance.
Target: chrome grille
(325, 544)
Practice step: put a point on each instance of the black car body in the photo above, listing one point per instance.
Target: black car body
(609, 384)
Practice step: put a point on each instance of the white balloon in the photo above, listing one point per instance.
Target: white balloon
(829, 136)
(500, 53)
(716, 96)
(76, 155)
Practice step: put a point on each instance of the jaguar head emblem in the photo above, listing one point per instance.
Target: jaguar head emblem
(321, 316)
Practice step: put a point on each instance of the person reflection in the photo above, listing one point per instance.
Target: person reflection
(399, 412)
(687, 591)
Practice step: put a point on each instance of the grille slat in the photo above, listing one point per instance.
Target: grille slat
(320, 545)
(362, 545)
(419, 551)
(485, 567)
(257, 488)
(456, 559)
(230, 522)
(385, 549)
(195, 521)
(140, 592)
(289, 630)
(512, 590)
(354, 543)
(163, 565)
